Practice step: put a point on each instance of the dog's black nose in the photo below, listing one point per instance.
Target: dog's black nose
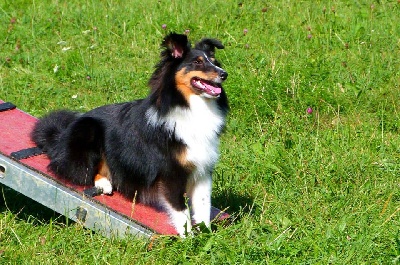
(223, 75)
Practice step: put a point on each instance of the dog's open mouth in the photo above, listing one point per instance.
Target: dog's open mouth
(208, 87)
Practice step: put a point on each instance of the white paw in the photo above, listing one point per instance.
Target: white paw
(181, 221)
(185, 229)
(202, 220)
(105, 185)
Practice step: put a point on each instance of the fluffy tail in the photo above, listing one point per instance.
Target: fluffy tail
(47, 130)
(74, 144)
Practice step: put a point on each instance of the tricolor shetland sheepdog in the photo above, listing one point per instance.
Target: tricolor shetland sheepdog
(160, 150)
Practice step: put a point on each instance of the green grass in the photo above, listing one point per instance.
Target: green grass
(320, 188)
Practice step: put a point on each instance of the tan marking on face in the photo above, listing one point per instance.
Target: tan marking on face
(103, 171)
(183, 78)
(183, 84)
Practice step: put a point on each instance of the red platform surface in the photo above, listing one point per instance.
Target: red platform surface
(14, 136)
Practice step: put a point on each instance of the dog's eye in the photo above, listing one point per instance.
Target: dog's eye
(198, 61)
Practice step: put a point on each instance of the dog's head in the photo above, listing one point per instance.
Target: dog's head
(198, 71)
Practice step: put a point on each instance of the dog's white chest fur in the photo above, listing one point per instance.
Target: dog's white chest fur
(198, 127)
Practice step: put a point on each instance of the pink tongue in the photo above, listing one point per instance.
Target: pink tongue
(217, 90)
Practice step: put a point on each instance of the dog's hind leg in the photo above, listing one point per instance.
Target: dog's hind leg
(102, 180)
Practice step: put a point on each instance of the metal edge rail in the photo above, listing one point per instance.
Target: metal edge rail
(66, 201)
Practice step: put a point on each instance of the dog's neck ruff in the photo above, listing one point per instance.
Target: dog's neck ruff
(197, 126)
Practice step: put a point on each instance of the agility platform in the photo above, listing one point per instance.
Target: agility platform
(23, 168)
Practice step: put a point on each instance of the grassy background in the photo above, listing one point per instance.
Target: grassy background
(319, 188)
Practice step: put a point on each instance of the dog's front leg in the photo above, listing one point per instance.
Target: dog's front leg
(175, 203)
(200, 197)
(181, 221)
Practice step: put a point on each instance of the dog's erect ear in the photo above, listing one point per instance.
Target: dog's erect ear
(176, 44)
(209, 45)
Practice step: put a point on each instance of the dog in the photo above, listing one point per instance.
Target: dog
(160, 150)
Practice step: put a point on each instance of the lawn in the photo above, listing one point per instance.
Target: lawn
(310, 159)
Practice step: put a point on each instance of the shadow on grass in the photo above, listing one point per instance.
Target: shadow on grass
(28, 209)
(236, 205)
